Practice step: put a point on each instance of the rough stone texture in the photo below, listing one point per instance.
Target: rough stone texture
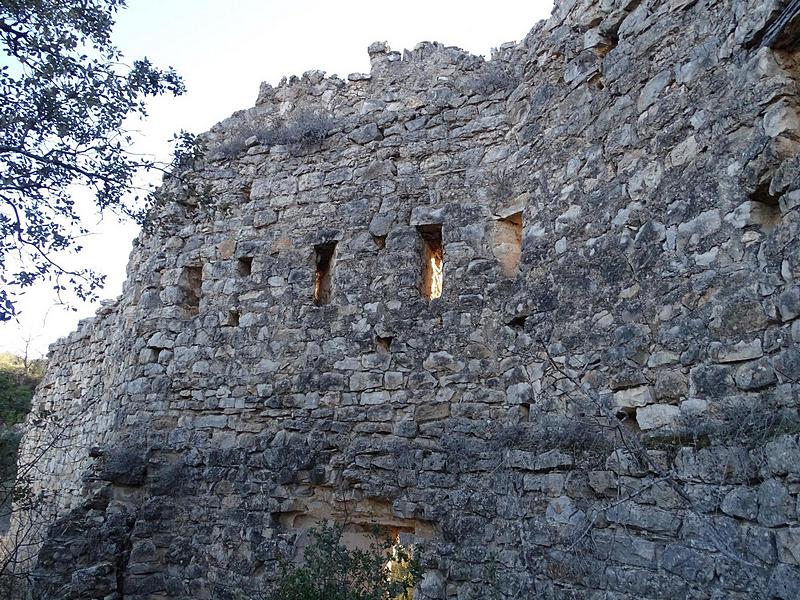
(651, 148)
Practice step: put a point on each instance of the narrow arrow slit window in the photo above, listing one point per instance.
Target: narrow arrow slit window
(191, 283)
(508, 243)
(323, 281)
(432, 261)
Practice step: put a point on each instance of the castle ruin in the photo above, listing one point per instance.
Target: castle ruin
(537, 314)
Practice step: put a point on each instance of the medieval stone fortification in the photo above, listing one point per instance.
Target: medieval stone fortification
(600, 403)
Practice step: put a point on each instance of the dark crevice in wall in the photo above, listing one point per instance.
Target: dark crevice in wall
(596, 82)
(518, 322)
(122, 558)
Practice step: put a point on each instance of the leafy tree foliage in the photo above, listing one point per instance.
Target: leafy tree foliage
(18, 379)
(331, 571)
(65, 94)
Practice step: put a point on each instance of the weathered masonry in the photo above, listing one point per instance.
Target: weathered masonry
(537, 314)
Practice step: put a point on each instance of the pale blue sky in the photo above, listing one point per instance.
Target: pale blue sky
(224, 50)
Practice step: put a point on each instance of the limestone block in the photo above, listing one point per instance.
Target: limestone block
(684, 152)
(710, 381)
(519, 393)
(365, 380)
(694, 231)
(780, 118)
(787, 364)
(439, 361)
(784, 582)
(775, 505)
(740, 351)
(644, 517)
(623, 462)
(551, 484)
(365, 134)
(561, 510)
(671, 385)
(211, 421)
(657, 415)
(433, 585)
(226, 249)
(734, 318)
(552, 459)
(662, 358)
(783, 455)
(633, 397)
(755, 375)
(789, 303)
(380, 397)
(690, 564)
(694, 408)
(741, 502)
(788, 542)
(653, 89)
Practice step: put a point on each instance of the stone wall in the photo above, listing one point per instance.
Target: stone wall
(601, 403)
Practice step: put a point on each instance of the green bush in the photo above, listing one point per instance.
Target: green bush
(330, 571)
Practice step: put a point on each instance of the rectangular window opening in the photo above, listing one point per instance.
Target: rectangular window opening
(323, 280)
(508, 243)
(192, 282)
(244, 266)
(432, 261)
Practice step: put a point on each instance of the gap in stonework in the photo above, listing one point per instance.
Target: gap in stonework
(384, 343)
(627, 416)
(768, 205)
(379, 241)
(244, 266)
(518, 322)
